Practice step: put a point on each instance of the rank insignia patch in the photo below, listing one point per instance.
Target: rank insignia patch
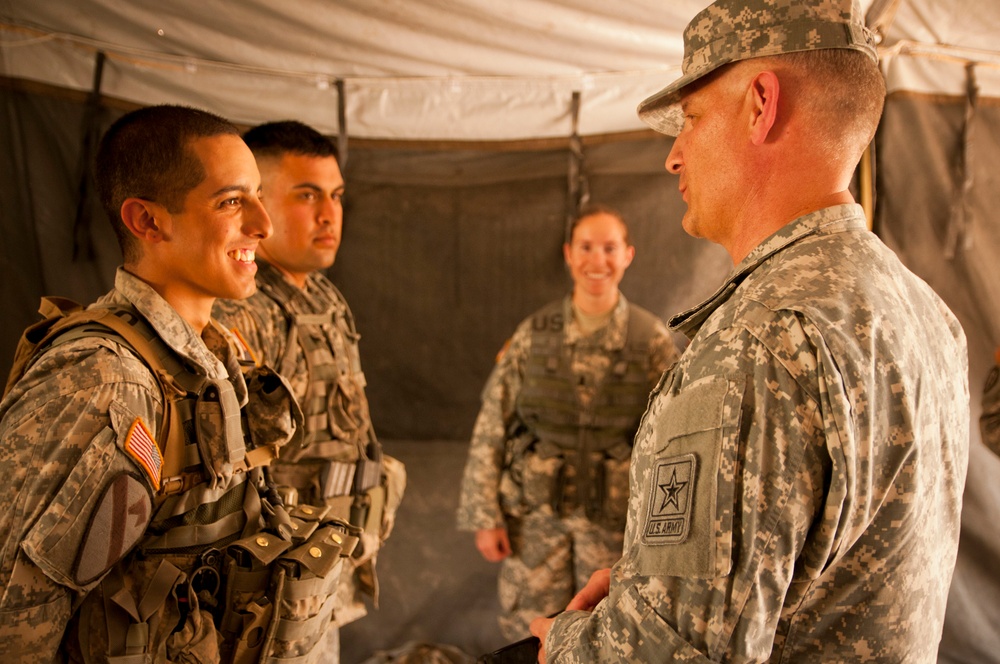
(670, 497)
(140, 446)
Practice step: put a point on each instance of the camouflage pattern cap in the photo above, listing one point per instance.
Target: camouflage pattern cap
(733, 30)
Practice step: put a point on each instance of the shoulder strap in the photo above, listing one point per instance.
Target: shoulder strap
(57, 311)
(63, 315)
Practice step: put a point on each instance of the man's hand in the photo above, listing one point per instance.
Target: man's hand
(590, 595)
(597, 588)
(493, 544)
(540, 627)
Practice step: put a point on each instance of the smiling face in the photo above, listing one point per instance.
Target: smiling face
(597, 255)
(303, 195)
(207, 248)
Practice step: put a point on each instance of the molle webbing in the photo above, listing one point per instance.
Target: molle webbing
(311, 331)
(344, 436)
(548, 404)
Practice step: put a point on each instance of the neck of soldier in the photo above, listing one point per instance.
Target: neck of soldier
(594, 305)
(783, 189)
(297, 279)
(196, 310)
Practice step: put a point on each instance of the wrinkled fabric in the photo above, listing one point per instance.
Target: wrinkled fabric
(797, 478)
(63, 429)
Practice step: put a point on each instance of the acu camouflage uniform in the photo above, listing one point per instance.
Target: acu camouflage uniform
(989, 419)
(340, 462)
(797, 478)
(537, 465)
(111, 552)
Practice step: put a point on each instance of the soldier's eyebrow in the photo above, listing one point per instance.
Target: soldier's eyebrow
(230, 188)
(315, 187)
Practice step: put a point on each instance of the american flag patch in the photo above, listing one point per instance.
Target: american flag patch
(140, 445)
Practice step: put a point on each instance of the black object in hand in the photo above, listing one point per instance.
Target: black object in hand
(524, 651)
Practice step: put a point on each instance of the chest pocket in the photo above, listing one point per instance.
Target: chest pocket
(685, 519)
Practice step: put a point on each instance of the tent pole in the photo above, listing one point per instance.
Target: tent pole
(341, 125)
(83, 245)
(577, 190)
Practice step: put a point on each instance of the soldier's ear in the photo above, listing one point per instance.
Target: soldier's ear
(763, 92)
(144, 219)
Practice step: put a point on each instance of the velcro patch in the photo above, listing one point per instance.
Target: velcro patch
(670, 501)
(119, 520)
(141, 446)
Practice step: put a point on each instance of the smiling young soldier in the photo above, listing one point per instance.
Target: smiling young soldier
(797, 479)
(299, 324)
(136, 511)
(546, 484)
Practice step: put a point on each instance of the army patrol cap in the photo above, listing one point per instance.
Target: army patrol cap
(733, 30)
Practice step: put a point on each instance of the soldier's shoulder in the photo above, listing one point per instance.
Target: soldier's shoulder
(78, 365)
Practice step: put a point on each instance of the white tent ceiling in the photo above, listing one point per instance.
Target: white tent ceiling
(466, 70)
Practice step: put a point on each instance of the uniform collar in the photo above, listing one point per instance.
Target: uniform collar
(612, 336)
(833, 219)
(176, 332)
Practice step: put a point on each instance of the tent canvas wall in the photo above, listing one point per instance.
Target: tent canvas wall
(470, 130)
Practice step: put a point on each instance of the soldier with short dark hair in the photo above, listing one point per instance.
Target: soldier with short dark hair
(137, 522)
(299, 324)
(797, 478)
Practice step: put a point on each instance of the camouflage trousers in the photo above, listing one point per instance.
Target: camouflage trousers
(553, 557)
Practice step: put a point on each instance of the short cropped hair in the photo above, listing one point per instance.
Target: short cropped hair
(146, 154)
(591, 209)
(275, 139)
(847, 96)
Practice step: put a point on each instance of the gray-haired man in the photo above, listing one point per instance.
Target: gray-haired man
(797, 479)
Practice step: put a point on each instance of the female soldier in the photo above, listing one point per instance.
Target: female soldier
(546, 483)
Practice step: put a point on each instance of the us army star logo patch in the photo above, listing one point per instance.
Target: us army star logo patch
(670, 500)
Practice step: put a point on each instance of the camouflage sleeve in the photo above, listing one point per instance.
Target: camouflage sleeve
(989, 420)
(75, 500)
(479, 501)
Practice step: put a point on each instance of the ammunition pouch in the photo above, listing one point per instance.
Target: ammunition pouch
(543, 474)
(280, 594)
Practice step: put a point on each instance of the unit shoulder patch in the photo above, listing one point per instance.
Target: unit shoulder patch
(142, 447)
(670, 500)
(121, 517)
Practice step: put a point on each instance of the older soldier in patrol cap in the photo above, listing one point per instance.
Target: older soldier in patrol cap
(299, 323)
(797, 479)
(137, 523)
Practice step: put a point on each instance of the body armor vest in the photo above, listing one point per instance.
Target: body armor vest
(340, 461)
(223, 572)
(548, 405)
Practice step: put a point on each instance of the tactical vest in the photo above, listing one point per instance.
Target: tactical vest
(340, 461)
(549, 409)
(220, 551)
